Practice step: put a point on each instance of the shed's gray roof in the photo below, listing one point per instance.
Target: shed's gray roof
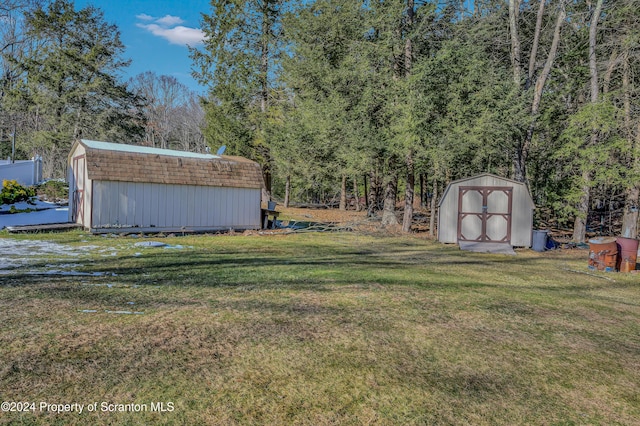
(130, 163)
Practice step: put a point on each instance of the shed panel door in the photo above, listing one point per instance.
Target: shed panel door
(484, 213)
(78, 191)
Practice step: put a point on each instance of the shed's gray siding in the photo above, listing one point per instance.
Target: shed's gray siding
(521, 216)
(155, 207)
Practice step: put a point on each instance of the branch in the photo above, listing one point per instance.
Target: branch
(542, 79)
(536, 42)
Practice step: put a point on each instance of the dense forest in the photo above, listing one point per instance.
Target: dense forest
(373, 98)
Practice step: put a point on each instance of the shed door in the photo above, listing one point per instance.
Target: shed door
(484, 214)
(78, 190)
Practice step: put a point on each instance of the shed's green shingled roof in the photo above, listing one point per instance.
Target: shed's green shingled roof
(121, 147)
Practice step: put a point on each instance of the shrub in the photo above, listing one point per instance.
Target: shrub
(13, 192)
(53, 190)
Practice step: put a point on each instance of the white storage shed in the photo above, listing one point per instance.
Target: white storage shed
(125, 188)
(486, 208)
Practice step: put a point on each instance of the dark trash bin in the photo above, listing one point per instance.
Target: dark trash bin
(540, 240)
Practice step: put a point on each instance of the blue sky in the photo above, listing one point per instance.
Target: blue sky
(156, 34)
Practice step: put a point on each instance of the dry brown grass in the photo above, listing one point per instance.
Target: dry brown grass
(323, 215)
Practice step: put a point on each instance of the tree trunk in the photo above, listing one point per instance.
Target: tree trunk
(522, 149)
(613, 62)
(371, 195)
(514, 9)
(366, 194)
(76, 125)
(579, 228)
(264, 58)
(408, 48)
(266, 173)
(546, 70)
(343, 193)
(434, 205)
(519, 158)
(593, 64)
(408, 195)
(287, 191)
(534, 46)
(580, 223)
(390, 194)
(356, 193)
(375, 193)
(630, 216)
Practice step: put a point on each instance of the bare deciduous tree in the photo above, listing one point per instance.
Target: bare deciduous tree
(173, 112)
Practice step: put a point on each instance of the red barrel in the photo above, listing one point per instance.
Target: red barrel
(603, 253)
(627, 254)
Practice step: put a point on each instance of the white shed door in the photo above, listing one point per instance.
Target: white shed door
(78, 190)
(484, 213)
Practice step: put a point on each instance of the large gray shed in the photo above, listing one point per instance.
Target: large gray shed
(486, 208)
(125, 188)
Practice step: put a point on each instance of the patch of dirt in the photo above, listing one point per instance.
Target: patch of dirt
(355, 220)
(323, 215)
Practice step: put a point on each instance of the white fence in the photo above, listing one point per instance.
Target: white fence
(26, 172)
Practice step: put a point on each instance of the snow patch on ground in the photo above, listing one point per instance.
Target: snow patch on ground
(39, 257)
(23, 205)
(61, 259)
(72, 273)
(46, 213)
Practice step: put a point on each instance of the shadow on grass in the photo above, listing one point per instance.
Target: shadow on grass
(298, 266)
(311, 264)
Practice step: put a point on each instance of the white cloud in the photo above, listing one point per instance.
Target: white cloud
(170, 21)
(168, 28)
(145, 17)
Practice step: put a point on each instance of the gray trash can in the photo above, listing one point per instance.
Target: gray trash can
(539, 240)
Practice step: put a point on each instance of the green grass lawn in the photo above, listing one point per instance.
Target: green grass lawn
(331, 328)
